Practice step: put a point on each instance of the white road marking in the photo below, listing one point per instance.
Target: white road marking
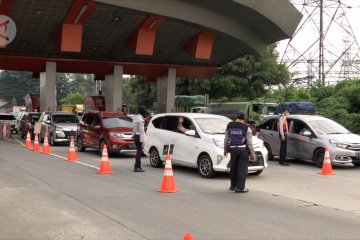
(58, 156)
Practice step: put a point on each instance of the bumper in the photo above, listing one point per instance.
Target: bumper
(116, 147)
(64, 136)
(343, 156)
(259, 164)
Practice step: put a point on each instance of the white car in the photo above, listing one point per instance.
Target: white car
(201, 146)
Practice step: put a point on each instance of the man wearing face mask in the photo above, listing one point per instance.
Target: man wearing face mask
(283, 128)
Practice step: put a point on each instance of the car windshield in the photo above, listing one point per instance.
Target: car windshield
(327, 126)
(213, 125)
(118, 122)
(65, 118)
(34, 117)
(7, 117)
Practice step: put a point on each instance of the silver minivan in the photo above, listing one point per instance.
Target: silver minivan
(308, 137)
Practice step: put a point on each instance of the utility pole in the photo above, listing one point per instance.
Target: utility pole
(321, 44)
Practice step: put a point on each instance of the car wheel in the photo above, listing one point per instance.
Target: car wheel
(155, 160)
(52, 140)
(80, 145)
(256, 173)
(268, 148)
(356, 164)
(319, 157)
(205, 166)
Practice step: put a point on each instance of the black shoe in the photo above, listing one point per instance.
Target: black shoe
(139, 170)
(285, 164)
(232, 188)
(245, 190)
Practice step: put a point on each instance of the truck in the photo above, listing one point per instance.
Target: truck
(255, 111)
(98, 103)
(32, 102)
(17, 109)
(185, 103)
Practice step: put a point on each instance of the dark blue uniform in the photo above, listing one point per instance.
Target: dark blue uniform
(239, 162)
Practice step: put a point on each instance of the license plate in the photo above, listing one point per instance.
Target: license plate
(131, 146)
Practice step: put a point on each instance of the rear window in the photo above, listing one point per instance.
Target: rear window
(65, 118)
(118, 122)
(7, 117)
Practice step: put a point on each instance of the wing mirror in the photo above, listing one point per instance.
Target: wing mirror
(307, 134)
(190, 133)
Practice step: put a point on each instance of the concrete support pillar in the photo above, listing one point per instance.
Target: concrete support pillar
(113, 91)
(166, 92)
(48, 88)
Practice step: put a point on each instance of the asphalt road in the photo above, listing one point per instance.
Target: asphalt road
(46, 197)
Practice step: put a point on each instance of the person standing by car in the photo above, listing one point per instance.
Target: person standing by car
(139, 136)
(238, 141)
(283, 128)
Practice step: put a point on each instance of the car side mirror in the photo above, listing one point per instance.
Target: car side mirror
(97, 127)
(190, 133)
(307, 134)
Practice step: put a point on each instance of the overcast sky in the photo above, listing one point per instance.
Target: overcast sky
(334, 41)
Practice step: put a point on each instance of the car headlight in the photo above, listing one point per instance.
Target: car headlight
(219, 143)
(59, 129)
(115, 134)
(338, 144)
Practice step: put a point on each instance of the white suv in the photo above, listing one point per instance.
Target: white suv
(201, 147)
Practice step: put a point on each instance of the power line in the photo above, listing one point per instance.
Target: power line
(313, 51)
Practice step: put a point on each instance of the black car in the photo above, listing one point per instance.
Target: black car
(27, 123)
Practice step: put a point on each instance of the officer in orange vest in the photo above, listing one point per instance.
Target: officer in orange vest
(283, 128)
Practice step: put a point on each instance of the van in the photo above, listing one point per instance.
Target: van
(198, 144)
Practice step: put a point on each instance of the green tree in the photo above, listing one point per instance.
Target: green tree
(16, 84)
(138, 92)
(73, 98)
(247, 77)
(13, 102)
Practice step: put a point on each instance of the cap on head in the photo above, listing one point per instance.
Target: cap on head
(286, 109)
(142, 111)
(241, 115)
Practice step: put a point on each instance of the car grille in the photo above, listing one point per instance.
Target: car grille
(354, 146)
(259, 160)
(69, 134)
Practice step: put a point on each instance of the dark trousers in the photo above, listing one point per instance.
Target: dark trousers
(283, 149)
(239, 163)
(139, 153)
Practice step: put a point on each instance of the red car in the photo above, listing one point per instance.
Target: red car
(99, 128)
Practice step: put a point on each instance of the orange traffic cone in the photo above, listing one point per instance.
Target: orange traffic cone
(105, 163)
(28, 143)
(326, 167)
(46, 148)
(188, 236)
(72, 154)
(168, 183)
(36, 147)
